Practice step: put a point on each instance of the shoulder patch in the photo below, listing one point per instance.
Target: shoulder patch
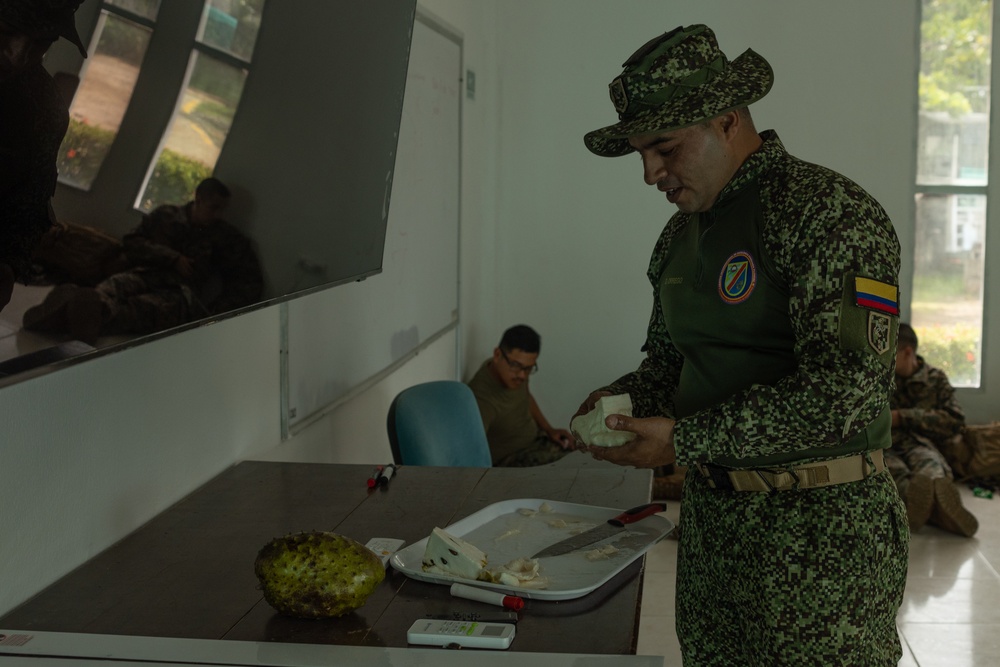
(737, 278)
(879, 332)
(876, 296)
(866, 328)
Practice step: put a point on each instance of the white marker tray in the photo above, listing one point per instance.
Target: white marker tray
(505, 534)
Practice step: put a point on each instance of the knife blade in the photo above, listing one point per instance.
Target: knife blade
(612, 527)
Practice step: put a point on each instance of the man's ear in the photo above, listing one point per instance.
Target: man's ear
(729, 123)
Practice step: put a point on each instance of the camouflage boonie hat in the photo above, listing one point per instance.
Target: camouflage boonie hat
(39, 17)
(677, 80)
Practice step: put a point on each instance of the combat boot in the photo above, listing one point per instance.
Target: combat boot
(949, 513)
(919, 500)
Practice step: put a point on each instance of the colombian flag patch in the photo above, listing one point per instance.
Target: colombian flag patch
(875, 295)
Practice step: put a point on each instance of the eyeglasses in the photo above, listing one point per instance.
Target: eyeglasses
(518, 368)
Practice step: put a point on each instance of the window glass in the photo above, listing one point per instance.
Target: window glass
(196, 133)
(145, 8)
(231, 26)
(947, 301)
(952, 172)
(105, 89)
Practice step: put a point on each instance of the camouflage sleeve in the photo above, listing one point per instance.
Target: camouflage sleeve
(651, 386)
(937, 416)
(821, 231)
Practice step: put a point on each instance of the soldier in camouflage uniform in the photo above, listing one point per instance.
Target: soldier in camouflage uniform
(518, 433)
(925, 413)
(33, 120)
(185, 263)
(768, 368)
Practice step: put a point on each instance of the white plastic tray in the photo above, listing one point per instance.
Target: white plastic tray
(505, 534)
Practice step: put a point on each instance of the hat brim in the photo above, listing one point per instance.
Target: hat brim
(69, 32)
(747, 79)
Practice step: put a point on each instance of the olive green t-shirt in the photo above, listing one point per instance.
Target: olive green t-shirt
(506, 415)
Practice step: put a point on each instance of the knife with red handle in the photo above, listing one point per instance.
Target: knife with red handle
(611, 528)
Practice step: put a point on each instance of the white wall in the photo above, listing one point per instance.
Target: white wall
(93, 451)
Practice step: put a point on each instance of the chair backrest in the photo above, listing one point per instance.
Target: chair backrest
(437, 424)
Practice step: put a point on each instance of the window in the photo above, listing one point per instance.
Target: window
(204, 110)
(951, 189)
(106, 85)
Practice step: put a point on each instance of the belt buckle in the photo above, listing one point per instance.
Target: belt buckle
(718, 478)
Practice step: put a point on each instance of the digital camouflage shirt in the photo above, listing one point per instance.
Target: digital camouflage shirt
(782, 346)
(227, 272)
(927, 406)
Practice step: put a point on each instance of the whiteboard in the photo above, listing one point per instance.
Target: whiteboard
(339, 338)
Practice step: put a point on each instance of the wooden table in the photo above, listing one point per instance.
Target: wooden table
(189, 571)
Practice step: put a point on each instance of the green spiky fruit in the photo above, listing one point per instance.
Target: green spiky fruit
(317, 574)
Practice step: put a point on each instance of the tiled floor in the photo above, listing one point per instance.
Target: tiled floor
(950, 615)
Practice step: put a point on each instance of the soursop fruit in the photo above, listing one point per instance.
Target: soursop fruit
(317, 574)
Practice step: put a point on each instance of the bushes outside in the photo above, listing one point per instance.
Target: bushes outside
(174, 179)
(84, 147)
(82, 152)
(953, 348)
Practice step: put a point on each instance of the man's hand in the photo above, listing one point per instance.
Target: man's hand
(6, 284)
(562, 437)
(653, 445)
(591, 401)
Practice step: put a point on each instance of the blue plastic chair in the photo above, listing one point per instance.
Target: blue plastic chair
(437, 424)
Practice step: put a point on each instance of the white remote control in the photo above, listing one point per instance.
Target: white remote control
(473, 634)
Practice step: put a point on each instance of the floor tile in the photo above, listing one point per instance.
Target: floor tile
(658, 637)
(658, 594)
(950, 601)
(953, 644)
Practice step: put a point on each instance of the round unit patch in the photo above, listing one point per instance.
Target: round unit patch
(738, 278)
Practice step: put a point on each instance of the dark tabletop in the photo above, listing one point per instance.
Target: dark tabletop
(189, 571)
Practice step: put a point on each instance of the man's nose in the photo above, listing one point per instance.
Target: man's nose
(652, 171)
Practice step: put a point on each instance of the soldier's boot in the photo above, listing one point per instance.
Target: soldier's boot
(85, 313)
(949, 513)
(50, 314)
(919, 500)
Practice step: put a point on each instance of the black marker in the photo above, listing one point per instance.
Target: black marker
(387, 472)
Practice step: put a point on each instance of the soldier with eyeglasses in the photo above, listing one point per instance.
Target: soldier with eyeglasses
(518, 432)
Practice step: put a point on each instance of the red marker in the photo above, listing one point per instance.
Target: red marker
(373, 480)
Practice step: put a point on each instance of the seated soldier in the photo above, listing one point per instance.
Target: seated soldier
(518, 433)
(185, 262)
(924, 413)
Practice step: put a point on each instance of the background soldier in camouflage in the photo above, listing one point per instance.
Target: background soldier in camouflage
(768, 371)
(925, 414)
(518, 432)
(185, 262)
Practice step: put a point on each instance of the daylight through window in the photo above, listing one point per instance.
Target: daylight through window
(952, 175)
(217, 70)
